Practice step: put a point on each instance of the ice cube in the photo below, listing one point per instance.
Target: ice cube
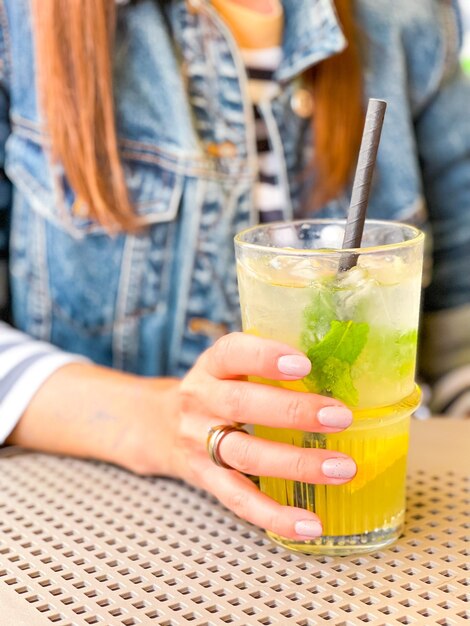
(285, 238)
(298, 272)
(359, 297)
(387, 270)
(292, 271)
(331, 236)
(355, 277)
(364, 297)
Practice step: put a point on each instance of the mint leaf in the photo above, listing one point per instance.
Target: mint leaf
(390, 353)
(337, 381)
(318, 316)
(332, 358)
(405, 353)
(344, 340)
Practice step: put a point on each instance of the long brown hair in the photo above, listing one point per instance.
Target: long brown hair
(75, 50)
(338, 117)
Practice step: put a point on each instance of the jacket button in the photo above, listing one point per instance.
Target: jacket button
(225, 149)
(80, 208)
(301, 102)
(208, 328)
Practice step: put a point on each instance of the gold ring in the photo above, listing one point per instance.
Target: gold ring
(214, 439)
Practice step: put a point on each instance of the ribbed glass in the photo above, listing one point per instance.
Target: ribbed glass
(368, 512)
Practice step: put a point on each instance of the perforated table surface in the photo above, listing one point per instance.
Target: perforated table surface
(87, 543)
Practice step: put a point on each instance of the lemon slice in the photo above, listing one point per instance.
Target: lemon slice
(294, 385)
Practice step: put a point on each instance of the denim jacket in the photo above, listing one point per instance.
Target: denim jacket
(150, 303)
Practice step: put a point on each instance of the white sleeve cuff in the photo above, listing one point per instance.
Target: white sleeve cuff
(27, 385)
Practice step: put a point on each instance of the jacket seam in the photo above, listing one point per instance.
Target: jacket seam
(5, 31)
(251, 163)
(35, 132)
(149, 153)
(104, 328)
(209, 173)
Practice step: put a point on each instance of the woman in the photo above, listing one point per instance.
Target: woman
(121, 242)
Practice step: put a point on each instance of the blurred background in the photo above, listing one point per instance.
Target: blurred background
(465, 4)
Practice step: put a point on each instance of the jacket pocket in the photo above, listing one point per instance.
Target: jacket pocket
(154, 189)
(67, 270)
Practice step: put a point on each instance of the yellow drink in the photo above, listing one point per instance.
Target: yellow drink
(359, 329)
(373, 503)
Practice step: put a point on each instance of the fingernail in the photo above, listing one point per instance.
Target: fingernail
(339, 468)
(335, 416)
(308, 528)
(294, 365)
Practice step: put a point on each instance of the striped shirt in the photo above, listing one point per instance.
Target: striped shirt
(269, 194)
(25, 365)
(257, 29)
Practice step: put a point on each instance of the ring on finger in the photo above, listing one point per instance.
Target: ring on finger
(214, 439)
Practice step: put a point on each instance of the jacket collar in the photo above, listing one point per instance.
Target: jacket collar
(311, 33)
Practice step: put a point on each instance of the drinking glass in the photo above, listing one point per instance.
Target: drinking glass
(358, 327)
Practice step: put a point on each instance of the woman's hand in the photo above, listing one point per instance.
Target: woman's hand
(160, 425)
(214, 393)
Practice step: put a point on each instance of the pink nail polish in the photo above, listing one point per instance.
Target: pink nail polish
(339, 468)
(308, 528)
(335, 416)
(294, 365)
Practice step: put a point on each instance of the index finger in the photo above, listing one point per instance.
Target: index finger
(240, 354)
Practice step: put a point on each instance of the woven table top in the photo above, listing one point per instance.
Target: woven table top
(88, 543)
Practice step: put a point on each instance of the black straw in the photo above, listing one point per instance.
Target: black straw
(362, 181)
